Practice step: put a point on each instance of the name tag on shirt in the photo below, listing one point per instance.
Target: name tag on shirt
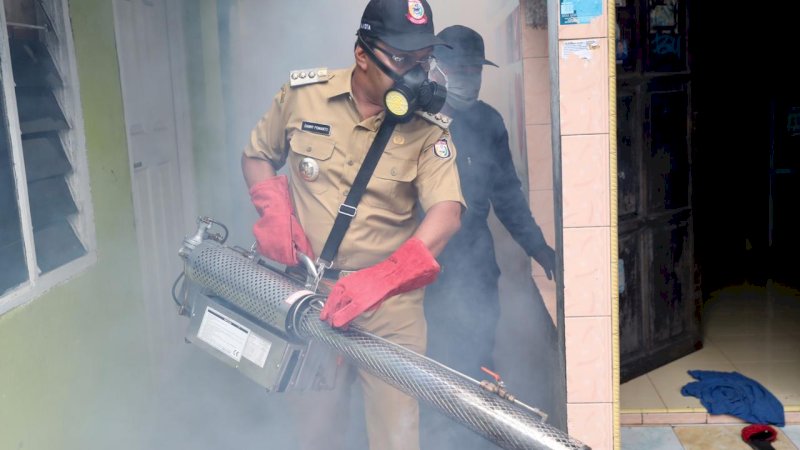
(317, 128)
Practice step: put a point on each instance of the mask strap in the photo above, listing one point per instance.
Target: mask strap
(384, 68)
(435, 68)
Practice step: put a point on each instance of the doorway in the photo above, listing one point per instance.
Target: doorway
(744, 182)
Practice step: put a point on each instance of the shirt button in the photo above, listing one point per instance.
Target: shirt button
(308, 149)
(394, 171)
(350, 162)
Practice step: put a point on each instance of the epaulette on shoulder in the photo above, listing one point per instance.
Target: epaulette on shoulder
(439, 119)
(308, 76)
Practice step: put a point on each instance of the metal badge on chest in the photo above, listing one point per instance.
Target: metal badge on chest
(309, 169)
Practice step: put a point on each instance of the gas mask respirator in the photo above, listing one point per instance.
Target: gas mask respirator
(412, 91)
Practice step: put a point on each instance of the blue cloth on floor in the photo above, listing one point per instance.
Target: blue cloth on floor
(734, 394)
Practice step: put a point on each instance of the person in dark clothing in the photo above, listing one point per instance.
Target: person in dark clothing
(462, 307)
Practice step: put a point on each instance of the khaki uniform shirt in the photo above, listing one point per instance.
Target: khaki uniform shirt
(320, 121)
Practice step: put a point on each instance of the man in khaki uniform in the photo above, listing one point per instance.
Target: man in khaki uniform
(321, 124)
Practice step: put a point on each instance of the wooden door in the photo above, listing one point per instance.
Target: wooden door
(659, 293)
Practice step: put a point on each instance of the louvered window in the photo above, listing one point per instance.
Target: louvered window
(46, 224)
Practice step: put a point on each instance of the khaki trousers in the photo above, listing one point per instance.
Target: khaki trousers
(392, 417)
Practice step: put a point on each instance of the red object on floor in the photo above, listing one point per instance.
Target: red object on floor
(759, 432)
(759, 436)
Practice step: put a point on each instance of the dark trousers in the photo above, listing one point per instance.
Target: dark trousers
(462, 311)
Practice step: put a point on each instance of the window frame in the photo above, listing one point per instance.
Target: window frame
(74, 142)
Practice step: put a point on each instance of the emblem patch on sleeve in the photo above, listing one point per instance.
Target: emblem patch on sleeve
(441, 149)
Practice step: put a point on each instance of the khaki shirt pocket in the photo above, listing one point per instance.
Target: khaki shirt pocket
(392, 185)
(310, 160)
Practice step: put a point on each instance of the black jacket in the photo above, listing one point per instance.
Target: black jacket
(488, 180)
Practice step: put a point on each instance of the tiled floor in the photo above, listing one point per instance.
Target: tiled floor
(747, 329)
(701, 437)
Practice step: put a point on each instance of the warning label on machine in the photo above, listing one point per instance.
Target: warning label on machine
(223, 333)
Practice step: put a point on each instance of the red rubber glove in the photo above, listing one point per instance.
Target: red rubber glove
(410, 267)
(278, 232)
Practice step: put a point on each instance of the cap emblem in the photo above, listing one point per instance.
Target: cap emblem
(416, 12)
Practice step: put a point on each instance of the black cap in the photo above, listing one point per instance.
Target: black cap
(403, 24)
(465, 46)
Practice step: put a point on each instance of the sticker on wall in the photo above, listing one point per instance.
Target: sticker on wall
(580, 48)
(576, 12)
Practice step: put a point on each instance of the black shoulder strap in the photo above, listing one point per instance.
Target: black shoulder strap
(347, 210)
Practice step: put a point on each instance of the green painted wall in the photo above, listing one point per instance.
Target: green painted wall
(73, 371)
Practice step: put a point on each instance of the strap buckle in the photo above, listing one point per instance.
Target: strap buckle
(322, 265)
(347, 210)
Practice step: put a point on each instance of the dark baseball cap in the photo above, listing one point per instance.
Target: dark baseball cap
(465, 46)
(403, 24)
